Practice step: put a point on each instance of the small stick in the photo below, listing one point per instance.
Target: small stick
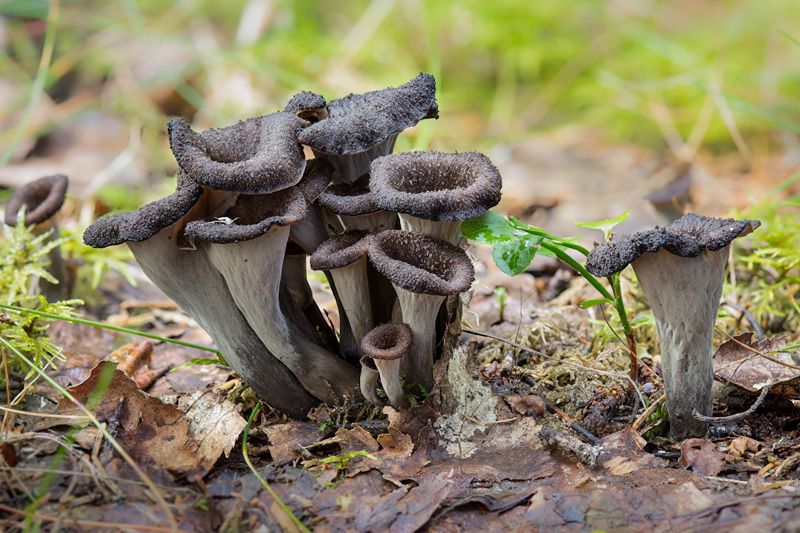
(738, 416)
(587, 453)
(647, 412)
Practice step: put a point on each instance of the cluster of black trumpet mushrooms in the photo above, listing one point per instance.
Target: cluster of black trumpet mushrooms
(231, 245)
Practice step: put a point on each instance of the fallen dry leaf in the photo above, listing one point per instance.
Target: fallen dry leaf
(702, 457)
(623, 453)
(155, 433)
(530, 404)
(736, 362)
(287, 440)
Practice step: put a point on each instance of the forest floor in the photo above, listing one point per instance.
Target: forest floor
(533, 421)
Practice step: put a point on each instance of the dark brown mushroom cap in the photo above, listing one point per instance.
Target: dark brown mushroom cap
(307, 105)
(435, 185)
(316, 179)
(387, 342)
(252, 216)
(360, 121)
(349, 199)
(420, 263)
(686, 237)
(42, 198)
(340, 251)
(256, 156)
(140, 225)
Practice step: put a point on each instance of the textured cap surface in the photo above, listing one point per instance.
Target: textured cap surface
(387, 341)
(357, 122)
(256, 156)
(316, 179)
(252, 216)
(307, 105)
(421, 263)
(686, 237)
(42, 198)
(140, 225)
(435, 185)
(349, 199)
(340, 251)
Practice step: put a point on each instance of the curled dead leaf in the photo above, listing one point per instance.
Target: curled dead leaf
(702, 457)
(738, 362)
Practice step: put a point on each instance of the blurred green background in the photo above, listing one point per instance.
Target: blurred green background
(722, 74)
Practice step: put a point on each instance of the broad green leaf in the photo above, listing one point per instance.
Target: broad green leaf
(586, 304)
(605, 225)
(489, 228)
(514, 256)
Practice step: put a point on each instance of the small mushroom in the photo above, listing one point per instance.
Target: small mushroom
(41, 200)
(354, 205)
(345, 257)
(424, 271)
(680, 268)
(434, 191)
(257, 156)
(361, 127)
(387, 345)
(248, 252)
(154, 234)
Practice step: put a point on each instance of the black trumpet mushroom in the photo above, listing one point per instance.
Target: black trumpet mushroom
(352, 131)
(385, 347)
(41, 200)
(434, 191)
(680, 268)
(424, 271)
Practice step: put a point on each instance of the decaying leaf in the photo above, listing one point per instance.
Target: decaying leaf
(531, 404)
(738, 363)
(702, 457)
(158, 434)
(287, 440)
(623, 453)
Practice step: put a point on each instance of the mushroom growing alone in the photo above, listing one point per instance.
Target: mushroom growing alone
(41, 200)
(424, 270)
(434, 191)
(360, 127)
(154, 234)
(680, 268)
(387, 345)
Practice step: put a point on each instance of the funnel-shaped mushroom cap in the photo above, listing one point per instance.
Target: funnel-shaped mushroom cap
(387, 341)
(436, 185)
(142, 224)
(316, 179)
(251, 216)
(686, 237)
(307, 105)
(256, 156)
(420, 263)
(358, 122)
(340, 251)
(349, 199)
(41, 198)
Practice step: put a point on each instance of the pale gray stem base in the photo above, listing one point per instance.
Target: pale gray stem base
(419, 312)
(447, 230)
(684, 294)
(389, 370)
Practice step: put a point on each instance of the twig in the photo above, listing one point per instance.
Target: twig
(647, 412)
(738, 416)
(587, 453)
(506, 341)
(748, 316)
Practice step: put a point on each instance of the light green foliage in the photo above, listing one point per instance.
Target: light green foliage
(768, 265)
(23, 262)
(95, 262)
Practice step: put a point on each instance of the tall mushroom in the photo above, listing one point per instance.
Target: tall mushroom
(434, 191)
(680, 268)
(154, 234)
(386, 346)
(424, 271)
(41, 200)
(247, 249)
(360, 127)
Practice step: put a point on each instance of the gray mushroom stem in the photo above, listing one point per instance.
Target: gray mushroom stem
(389, 370)
(349, 167)
(419, 311)
(368, 381)
(379, 221)
(446, 230)
(258, 262)
(684, 294)
(353, 288)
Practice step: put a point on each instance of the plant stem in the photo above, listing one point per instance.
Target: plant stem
(120, 329)
(564, 257)
(558, 241)
(285, 508)
(619, 305)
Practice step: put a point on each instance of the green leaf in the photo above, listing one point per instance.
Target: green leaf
(514, 256)
(791, 39)
(586, 304)
(199, 361)
(489, 228)
(605, 225)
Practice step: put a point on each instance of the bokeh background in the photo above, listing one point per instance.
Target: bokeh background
(585, 105)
